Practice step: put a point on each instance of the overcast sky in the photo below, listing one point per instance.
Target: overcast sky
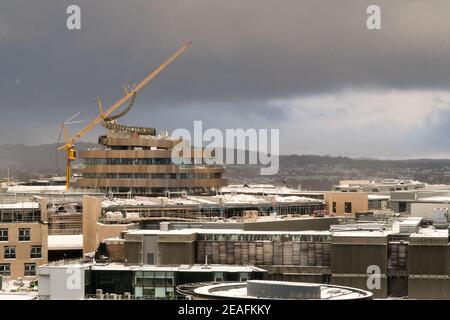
(310, 68)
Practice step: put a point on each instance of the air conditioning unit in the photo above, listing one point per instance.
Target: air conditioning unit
(113, 296)
(99, 294)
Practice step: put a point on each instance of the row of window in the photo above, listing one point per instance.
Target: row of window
(151, 175)
(147, 161)
(128, 161)
(10, 252)
(146, 191)
(24, 234)
(240, 237)
(14, 216)
(5, 269)
(347, 207)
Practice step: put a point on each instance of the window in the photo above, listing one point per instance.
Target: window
(5, 269)
(334, 207)
(218, 277)
(36, 252)
(30, 269)
(348, 207)
(24, 234)
(3, 234)
(10, 252)
(402, 206)
(243, 276)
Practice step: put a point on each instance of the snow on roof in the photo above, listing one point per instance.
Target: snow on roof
(212, 200)
(435, 199)
(430, 232)
(17, 296)
(226, 231)
(378, 197)
(239, 290)
(71, 242)
(35, 189)
(20, 205)
(174, 268)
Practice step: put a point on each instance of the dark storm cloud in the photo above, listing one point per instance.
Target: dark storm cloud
(244, 54)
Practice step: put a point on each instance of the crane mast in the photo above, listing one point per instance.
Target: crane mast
(71, 154)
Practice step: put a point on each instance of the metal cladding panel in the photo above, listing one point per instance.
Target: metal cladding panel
(423, 287)
(200, 252)
(133, 252)
(237, 253)
(214, 252)
(176, 253)
(347, 258)
(431, 260)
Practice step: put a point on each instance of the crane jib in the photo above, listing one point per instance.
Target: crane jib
(132, 93)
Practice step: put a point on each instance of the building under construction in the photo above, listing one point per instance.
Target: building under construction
(140, 164)
(135, 160)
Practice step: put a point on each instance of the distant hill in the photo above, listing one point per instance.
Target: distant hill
(25, 162)
(310, 171)
(322, 172)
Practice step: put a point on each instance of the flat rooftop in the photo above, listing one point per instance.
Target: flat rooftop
(225, 231)
(35, 189)
(116, 266)
(20, 205)
(65, 242)
(431, 233)
(365, 234)
(17, 296)
(437, 199)
(239, 290)
(378, 197)
(226, 199)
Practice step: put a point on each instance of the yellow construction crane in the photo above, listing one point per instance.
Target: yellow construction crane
(130, 92)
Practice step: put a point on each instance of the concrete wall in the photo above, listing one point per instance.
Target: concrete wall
(425, 210)
(95, 232)
(91, 212)
(61, 282)
(359, 201)
(150, 247)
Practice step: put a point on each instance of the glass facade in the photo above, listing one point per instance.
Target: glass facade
(20, 216)
(154, 285)
(150, 285)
